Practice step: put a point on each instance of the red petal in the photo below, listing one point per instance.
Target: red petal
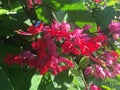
(23, 33)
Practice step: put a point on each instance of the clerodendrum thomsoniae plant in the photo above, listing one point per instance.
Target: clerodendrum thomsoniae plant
(62, 46)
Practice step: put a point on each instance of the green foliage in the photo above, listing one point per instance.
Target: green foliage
(4, 81)
(75, 9)
(104, 17)
(20, 78)
(35, 81)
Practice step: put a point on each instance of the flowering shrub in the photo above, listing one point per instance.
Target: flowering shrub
(60, 44)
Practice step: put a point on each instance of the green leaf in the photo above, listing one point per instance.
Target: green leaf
(35, 81)
(112, 2)
(12, 5)
(77, 84)
(45, 81)
(78, 14)
(104, 17)
(20, 78)
(76, 11)
(78, 80)
(60, 16)
(115, 85)
(4, 81)
(106, 84)
(117, 6)
(44, 14)
(63, 80)
(83, 62)
(3, 11)
(9, 24)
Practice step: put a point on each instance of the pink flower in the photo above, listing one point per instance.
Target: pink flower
(94, 87)
(65, 27)
(58, 30)
(111, 57)
(108, 66)
(78, 33)
(38, 1)
(99, 72)
(115, 29)
(88, 70)
(116, 69)
(30, 3)
(108, 73)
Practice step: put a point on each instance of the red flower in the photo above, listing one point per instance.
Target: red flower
(58, 33)
(21, 59)
(9, 59)
(53, 64)
(47, 57)
(41, 48)
(32, 30)
(91, 45)
(97, 1)
(39, 44)
(88, 47)
(68, 47)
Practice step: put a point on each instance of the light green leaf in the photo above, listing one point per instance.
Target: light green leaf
(35, 81)
(45, 81)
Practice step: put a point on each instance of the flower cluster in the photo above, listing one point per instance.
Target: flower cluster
(115, 29)
(94, 87)
(57, 40)
(110, 67)
(31, 3)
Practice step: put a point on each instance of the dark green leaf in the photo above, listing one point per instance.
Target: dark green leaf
(63, 80)
(104, 17)
(4, 81)
(20, 78)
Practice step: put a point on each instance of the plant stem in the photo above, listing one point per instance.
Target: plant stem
(95, 60)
